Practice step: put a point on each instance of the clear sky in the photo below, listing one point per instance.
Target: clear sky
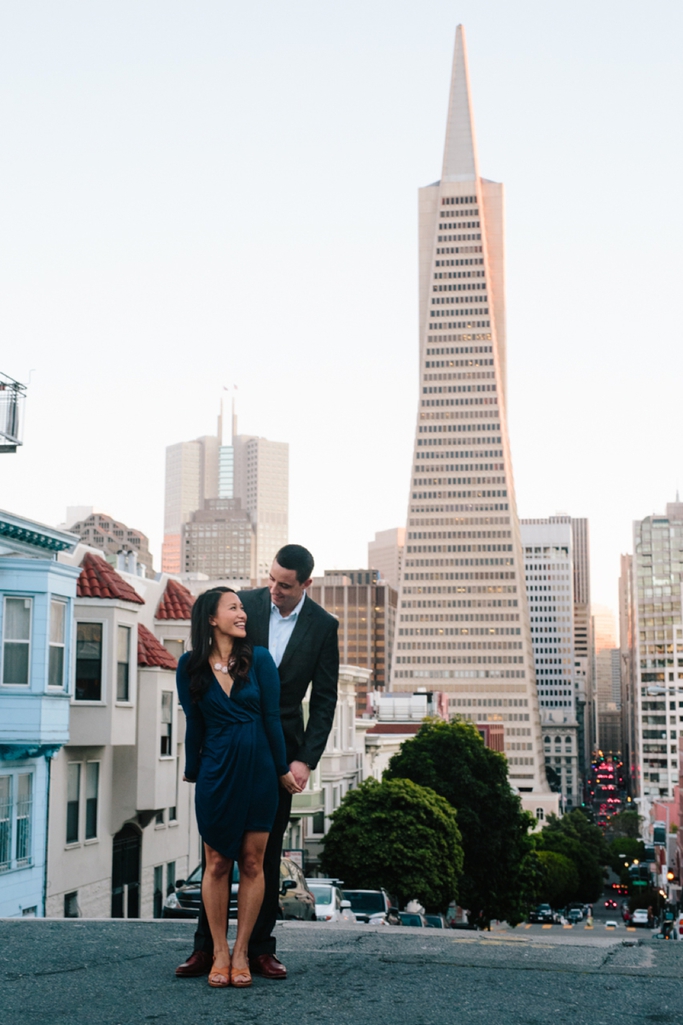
(196, 194)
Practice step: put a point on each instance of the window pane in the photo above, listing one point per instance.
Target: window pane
(5, 821)
(73, 791)
(166, 706)
(175, 648)
(89, 662)
(122, 681)
(123, 643)
(15, 663)
(24, 800)
(92, 778)
(17, 619)
(56, 666)
(57, 621)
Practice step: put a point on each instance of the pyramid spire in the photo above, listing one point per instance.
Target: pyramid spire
(460, 151)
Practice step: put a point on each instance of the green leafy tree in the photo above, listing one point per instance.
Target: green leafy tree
(560, 881)
(398, 835)
(583, 843)
(631, 849)
(452, 759)
(627, 824)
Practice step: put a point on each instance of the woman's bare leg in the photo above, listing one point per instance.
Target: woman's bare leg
(250, 893)
(216, 883)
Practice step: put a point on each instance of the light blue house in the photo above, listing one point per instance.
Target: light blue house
(36, 635)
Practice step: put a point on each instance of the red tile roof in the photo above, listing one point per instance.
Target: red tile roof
(151, 652)
(100, 580)
(176, 602)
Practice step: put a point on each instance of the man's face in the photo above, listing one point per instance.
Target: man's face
(285, 590)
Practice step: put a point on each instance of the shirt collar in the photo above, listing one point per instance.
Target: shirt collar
(293, 614)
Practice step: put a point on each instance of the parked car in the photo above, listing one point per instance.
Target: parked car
(369, 905)
(184, 901)
(436, 922)
(413, 918)
(610, 924)
(543, 913)
(640, 917)
(330, 906)
(296, 900)
(574, 916)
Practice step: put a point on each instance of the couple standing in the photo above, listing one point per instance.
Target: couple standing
(253, 656)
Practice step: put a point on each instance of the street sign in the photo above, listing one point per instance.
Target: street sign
(638, 882)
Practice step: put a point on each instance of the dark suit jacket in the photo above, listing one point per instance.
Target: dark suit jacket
(311, 656)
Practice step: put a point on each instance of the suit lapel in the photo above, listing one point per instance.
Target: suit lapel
(300, 630)
(260, 620)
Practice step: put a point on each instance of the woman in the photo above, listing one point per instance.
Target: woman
(234, 751)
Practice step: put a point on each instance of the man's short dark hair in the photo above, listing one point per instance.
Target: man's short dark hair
(298, 558)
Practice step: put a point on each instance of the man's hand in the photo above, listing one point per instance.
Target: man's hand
(301, 772)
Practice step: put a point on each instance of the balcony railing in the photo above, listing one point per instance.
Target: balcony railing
(12, 395)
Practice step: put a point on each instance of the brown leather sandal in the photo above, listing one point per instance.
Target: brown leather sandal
(219, 973)
(240, 978)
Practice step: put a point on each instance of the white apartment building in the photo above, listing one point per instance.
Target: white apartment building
(463, 623)
(340, 769)
(548, 558)
(121, 825)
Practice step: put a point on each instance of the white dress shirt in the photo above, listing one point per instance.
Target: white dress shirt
(281, 629)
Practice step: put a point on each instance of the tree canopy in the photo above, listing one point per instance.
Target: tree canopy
(399, 836)
(452, 759)
(574, 837)
(560, 881)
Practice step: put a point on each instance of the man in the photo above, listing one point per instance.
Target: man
(302, 638)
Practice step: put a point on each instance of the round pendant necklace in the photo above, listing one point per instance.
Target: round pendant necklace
(219, 667)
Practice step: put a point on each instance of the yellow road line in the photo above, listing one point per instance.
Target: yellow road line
(567, 926)
(546, 927)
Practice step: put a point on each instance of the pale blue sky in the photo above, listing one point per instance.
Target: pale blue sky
(200, 193)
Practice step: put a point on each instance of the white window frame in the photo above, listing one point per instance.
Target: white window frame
(129, 680)
(102, 700)
(64, 602)
(163, 723)
(92, 839)
(14, 864)
(17, 597)
(77, 842)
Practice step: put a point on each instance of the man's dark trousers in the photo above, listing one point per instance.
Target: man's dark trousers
(262, 938)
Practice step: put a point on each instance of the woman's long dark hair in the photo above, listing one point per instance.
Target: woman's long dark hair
(202, 642)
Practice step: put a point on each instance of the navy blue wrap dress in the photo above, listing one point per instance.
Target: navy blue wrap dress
(235, 751)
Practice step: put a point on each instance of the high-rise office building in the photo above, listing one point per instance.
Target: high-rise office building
(254, 472)
(261, 476)
(627, 671)
(191, 479)
(583, 644)
(607, 681)
(548, 558)
(658, 651)
(463, 623)
(218, 541)
(366, 609)
(385, 554)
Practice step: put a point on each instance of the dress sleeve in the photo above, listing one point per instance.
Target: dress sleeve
(269, 687)
(194, 733)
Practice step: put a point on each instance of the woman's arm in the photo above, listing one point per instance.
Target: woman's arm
(194, 733)
(269, 686)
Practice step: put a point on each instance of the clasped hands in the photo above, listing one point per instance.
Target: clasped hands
(296, 779)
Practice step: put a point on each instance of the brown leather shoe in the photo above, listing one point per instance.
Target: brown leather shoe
(198, 963)
(268, 966)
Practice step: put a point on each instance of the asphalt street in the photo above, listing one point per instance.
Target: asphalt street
(73, 972)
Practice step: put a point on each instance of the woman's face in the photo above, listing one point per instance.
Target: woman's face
(230, 618)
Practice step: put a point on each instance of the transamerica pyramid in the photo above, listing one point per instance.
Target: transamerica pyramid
(463, 622)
